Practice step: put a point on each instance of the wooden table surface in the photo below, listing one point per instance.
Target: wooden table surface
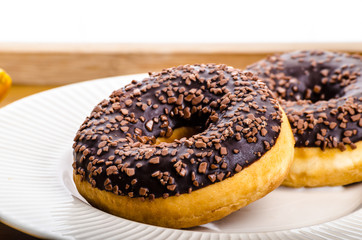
(20, 91)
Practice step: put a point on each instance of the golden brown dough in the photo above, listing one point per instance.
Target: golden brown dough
(313, 167)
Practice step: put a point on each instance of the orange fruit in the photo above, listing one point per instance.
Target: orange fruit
(5, 83)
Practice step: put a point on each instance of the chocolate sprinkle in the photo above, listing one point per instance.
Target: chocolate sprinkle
(115, 148)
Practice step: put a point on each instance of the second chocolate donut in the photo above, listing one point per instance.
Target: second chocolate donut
(321, 92)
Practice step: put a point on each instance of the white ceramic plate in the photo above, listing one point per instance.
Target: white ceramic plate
(37, 194)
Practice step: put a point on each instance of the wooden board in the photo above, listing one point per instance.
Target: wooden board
(58, 64)
(20, 91)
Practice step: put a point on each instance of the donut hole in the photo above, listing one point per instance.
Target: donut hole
(318, 92)
(326, 88)
(311, 87)
(183, 125)
(179, 133)
(313, 83)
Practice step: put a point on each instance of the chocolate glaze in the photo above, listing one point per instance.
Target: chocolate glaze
(114, 148)
(321, 94)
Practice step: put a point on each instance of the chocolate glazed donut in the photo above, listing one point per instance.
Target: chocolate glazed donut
(242, 151)
(321, 92)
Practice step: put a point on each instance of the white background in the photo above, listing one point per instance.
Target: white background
(180, 21)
